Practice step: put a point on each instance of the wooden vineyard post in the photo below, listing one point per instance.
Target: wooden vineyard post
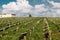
(50, 35)
(33, 29)
(30, 35)
(17, 28)
(33, 32)
(24, 37)
(47, 31)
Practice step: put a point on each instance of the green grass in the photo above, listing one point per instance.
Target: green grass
(12, 28)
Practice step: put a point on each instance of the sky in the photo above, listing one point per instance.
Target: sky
(37, 8)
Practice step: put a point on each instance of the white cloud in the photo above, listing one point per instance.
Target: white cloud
(11, 6)
(56, 7)
(23, 6)
(40, 8)
(55, 4)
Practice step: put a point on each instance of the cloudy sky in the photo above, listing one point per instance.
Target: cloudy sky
(33, 7)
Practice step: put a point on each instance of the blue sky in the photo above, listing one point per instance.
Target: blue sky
(5, 2)
(32, 5)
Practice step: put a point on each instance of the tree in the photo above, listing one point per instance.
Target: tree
(30, 15)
